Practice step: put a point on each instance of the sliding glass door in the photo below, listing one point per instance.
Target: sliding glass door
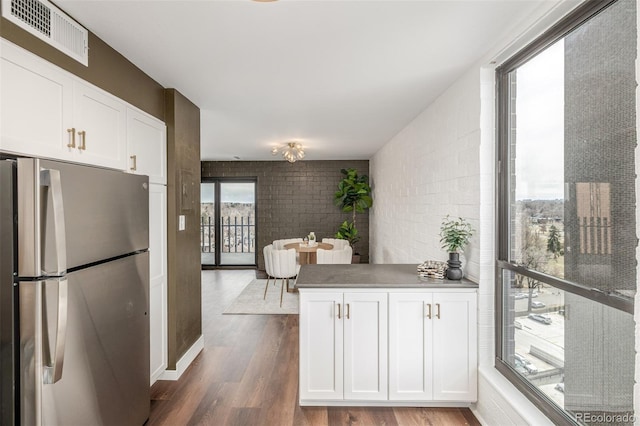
(208, 223)
(228, 222)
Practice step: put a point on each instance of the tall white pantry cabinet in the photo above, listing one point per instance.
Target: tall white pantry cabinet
(374, 346)
(47, 112)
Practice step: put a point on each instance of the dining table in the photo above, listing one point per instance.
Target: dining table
(308, 251)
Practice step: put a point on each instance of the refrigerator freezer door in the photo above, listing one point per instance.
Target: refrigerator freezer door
(106, 215)
(105, 374)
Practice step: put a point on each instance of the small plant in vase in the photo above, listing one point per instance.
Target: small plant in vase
(454, 237)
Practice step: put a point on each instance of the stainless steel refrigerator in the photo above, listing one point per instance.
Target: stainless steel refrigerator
(74, 295)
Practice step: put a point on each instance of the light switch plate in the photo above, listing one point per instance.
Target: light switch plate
(181, 223)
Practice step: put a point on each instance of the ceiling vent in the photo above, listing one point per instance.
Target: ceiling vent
(44, 20)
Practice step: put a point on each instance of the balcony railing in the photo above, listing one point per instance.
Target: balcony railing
(238, 234)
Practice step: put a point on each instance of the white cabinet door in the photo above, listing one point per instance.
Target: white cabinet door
(365, 346)
(321, 346)
(410, 350)
(100, 123)
(35, 105)
(455, 354)
(158, 279)
(147, 146)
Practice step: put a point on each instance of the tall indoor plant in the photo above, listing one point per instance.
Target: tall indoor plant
(454, 237)
(353, 195)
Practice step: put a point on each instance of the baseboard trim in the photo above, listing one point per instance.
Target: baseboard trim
(184, 362)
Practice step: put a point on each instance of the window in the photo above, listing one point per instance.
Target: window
(567, 216)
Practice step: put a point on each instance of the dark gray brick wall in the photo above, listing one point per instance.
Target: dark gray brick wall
(295, 199)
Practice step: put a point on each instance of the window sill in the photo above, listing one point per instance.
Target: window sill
(519, 405)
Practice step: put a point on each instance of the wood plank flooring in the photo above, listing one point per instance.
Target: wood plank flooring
(247, 374)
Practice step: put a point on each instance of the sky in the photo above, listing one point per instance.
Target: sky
(540, 126)
(231, 192)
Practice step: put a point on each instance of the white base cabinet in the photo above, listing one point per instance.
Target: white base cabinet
(388, 346)
(432, 346)
(343, 351)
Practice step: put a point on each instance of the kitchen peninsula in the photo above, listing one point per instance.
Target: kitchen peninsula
(381, 335)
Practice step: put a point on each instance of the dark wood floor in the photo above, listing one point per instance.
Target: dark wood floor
(247, 374)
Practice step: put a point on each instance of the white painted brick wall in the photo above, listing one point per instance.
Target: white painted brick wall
(430, 169)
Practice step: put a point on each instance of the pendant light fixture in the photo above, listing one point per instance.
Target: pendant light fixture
(292, 151)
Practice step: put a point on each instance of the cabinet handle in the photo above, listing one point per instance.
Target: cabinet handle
(348, 310)
(438, 310)
(134, 167)
(428, 310)
(83, 138)
(72, 137)
(339, 317)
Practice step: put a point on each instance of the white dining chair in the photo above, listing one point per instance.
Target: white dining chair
(283, 266)
(340, 256)
(279, 244)
(268, 266)
(336, 243)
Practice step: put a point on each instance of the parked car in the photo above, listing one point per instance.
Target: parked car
(517, 324)
(521, 359)
(520, 295)
(545, 319)
(520, 367)
(559, 387)
(528, 366)
(525, 368)
(537, 304)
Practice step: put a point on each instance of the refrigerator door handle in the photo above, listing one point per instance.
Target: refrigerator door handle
(51, 179)
(54, 362)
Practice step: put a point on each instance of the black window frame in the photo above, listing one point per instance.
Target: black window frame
(565, 26)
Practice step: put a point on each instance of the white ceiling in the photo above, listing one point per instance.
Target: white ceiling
(342, 77)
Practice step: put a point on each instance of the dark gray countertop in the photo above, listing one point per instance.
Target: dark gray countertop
(373, 276)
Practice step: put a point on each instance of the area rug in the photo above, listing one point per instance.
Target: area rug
(250, 300)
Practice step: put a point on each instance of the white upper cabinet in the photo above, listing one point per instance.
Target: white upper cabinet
(36, 105)
(47, 112)
(147, 146)
(100, 124)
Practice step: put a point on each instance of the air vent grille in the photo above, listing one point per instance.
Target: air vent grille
(34, 14)
(47, 22)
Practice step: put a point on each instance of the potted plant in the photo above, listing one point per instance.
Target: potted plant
(454, 237)
(353, 195)
(348, 232)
